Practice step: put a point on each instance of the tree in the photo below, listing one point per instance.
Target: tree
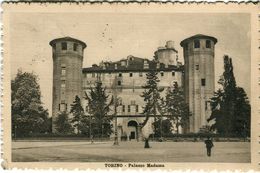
(98, 107)
(242, 112)
(176, 107)
(62, 124)
(230, 106)
(217, 112)
(152, 99)
(77, 112)
(164, 127)
(28, 114)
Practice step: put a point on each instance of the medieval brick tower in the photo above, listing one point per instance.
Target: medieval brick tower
(67, 73)
(199, 79)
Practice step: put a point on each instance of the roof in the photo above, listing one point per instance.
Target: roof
(198, 36)
(133, 64)
(165, 48)
(68, 39)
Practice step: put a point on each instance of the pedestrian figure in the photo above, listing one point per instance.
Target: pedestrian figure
(209, 145)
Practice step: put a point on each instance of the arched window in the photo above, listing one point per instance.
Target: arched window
(196, 44)
(208, 44)
(64, 46)
(75, 46)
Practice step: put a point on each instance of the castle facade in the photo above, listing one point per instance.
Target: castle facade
(124, 79)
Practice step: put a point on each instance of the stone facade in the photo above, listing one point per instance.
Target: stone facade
(124, 79)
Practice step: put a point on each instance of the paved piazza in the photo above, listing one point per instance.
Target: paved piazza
(82, 151)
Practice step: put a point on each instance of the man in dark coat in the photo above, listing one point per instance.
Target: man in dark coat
(209, 145)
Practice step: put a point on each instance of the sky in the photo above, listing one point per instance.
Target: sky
(113, 36)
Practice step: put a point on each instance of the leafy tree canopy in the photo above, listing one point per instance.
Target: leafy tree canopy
(62, 124)
(28, 114)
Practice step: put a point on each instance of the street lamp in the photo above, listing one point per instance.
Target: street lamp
(15, 128)
(115, 114)
(90, 130)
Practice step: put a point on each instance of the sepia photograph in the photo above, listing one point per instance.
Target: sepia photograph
(140, 88)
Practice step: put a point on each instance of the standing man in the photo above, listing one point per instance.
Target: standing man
(209, 145)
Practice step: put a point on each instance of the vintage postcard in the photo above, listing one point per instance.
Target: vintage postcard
(131, 86)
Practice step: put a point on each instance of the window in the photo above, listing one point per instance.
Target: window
(119, 101)
(128, 108)
(196, 44)
(75, 46)
(119, 83)
(140, 74)
(120, 74)
(63, 46)
(197, 67)
(131, 74)
(123, 108)
(123, 63)
(173, 73)
(63, 71)
(136, 108)
(203, 82)
(93, 74)
(162, 74)
(208, 44)
(206, 105)
(63, 107)
(63, 85)
(146, 65)
(132, 102)
(174, 83)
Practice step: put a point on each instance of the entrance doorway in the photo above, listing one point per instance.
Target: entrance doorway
(132, 135)
(132, 128)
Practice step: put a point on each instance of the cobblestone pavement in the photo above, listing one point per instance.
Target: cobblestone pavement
(80, 151)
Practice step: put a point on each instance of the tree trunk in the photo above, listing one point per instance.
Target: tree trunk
(177, 131)
(177, 126)
(161, 128)
(146, 144)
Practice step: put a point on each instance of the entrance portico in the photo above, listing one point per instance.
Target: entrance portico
(132, 131)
